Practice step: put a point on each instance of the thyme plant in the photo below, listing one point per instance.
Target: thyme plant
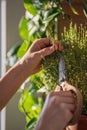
(74, 41)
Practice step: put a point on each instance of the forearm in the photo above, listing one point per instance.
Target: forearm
(13, 79)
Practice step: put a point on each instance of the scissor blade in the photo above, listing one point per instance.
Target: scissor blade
(62, 76)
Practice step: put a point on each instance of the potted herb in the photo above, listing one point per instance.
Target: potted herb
(74, 41)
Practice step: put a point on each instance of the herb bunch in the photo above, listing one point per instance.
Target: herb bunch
(74, 41)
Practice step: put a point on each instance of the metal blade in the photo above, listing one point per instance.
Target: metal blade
(62, 76)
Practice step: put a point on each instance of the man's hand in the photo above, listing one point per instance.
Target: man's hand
(38, 50)
(57, 111)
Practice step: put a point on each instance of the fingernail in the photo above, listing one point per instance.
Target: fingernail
(52, 48)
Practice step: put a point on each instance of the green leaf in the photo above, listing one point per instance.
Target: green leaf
(51, 15)
(84, 8)
(36, 79)
(31, 123)
(22, 50)
(35, 25)
(26, 102)
(73, 10)
(33, 88)
(29, 6)
(23, 28)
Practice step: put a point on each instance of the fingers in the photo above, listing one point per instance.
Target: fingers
(65, 97)
(58, 45)
(49, 50)
(63, 93)
(46, 51)
(46, 42)
(44, 47)
(43, 43)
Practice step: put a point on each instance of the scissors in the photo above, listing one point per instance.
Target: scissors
(64, 85)
(62, 73)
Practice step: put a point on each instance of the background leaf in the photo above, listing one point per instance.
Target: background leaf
(23, 28)
(72, 8)
(85, 8)
(51, 14)
(29, 6)
(22, 50)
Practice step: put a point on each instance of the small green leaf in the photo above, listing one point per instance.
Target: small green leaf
(23, 28)
(84, 8)
(51, 13)
(31, 123)
(51, 17)
(29, 6)
(22, 50)
(73, 10)
(26, 102)
(37, 80)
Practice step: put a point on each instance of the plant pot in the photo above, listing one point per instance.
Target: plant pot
(82, 124)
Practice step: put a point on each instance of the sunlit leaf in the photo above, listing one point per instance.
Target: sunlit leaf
(73, 10)
(26, 101)
(37, 80)
(22, 50)
(33, 88)
(52, 13)
(31, 123)
(23, 28)
(85, 12)
(29, 6)
(51, 17)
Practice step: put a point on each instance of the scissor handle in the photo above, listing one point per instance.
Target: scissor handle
(79, 101)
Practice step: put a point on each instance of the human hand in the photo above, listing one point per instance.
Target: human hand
(79, 100)
(39, 49)
(56, 108)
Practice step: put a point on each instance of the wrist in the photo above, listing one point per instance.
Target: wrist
(42, 124)
(28, 61)
(24, 63)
